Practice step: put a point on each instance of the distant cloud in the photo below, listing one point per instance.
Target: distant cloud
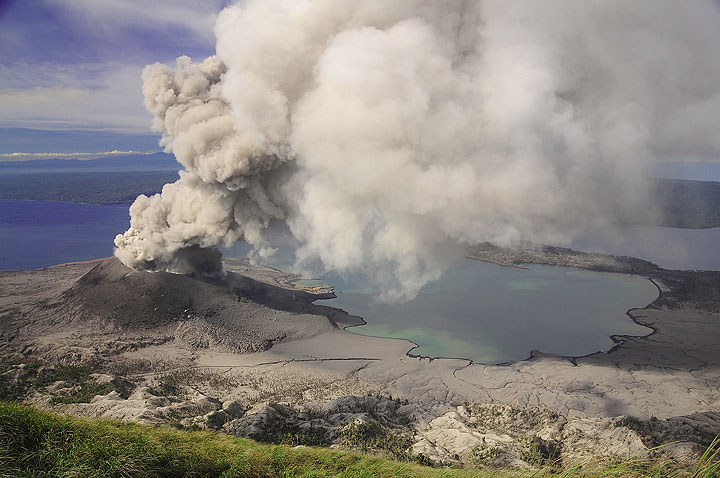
(30, 156)
(112, 101)
(89, 31)
(50, 74)
(69, 64)
(193, 16)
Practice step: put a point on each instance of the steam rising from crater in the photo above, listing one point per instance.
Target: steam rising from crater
(387, 135)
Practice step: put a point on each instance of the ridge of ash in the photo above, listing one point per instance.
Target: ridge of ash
(529, 253)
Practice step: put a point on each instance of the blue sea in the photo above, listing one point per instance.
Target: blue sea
(36, 234)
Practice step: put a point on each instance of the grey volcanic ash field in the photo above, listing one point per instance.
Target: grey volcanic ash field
(251, 355)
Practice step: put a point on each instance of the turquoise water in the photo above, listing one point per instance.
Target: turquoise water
(492, 314)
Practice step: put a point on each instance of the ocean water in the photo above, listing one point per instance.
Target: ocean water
(35, 234)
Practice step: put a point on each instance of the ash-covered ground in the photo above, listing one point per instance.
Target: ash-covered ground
(251, 355)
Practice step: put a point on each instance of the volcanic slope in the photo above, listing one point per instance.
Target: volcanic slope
(110, 309)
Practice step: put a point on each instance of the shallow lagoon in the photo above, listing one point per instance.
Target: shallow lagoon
(491, 314)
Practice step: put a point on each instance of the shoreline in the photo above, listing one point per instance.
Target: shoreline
(533, 352)
(505, 382)
(616, 338)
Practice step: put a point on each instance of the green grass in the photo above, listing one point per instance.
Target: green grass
(37, 443)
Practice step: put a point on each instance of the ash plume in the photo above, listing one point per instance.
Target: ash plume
(388, 135)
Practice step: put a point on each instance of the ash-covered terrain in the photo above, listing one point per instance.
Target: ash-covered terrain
(102, 309)
(251, 355)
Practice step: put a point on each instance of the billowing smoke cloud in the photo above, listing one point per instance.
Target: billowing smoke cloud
(389, 134)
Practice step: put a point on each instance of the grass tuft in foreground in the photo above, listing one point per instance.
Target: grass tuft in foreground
(38, 443)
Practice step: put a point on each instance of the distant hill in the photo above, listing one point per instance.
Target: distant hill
(42, 141)
(92, 187)
(124, 162)
(120, 179)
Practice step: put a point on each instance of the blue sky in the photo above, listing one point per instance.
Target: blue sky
(75, 64)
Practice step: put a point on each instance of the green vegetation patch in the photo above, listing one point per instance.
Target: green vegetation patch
(16, 379)
(65, 373)
(66, 383)
(172, 383)
(83, 393)
(39, 443)
(372, 437)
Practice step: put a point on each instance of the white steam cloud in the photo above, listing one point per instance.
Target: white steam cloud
(388, 134)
